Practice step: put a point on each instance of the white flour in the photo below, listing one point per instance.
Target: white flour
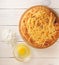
(9, 36)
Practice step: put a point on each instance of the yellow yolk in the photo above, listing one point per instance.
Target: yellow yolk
(23, 51)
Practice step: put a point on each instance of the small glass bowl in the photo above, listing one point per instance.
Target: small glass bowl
(18, 56)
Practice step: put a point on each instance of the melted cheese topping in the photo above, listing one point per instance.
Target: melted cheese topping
(41, 26)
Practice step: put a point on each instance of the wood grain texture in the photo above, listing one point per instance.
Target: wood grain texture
(10, 16)
(26, 3)
(33, 61)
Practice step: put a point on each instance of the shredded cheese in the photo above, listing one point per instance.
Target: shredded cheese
(40, 27)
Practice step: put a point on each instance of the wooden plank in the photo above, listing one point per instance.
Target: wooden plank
(13, 16)
(33, 61)
(6, 50)
(27, 3)
(10, 16)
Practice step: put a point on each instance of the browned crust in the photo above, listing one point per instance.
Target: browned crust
(48, 43)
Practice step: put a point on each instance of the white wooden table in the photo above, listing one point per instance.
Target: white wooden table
(10, 13)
